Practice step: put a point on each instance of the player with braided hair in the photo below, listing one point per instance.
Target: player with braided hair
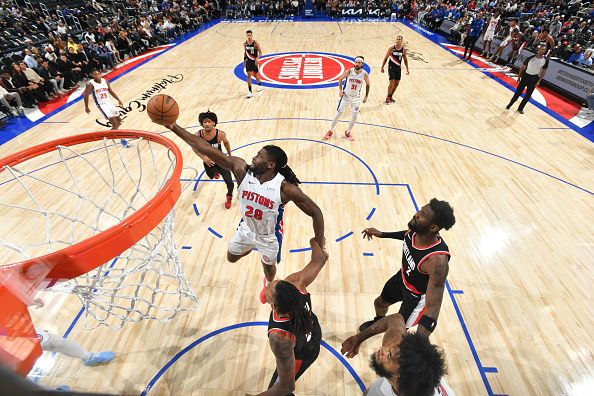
(294, 333)
(264, 188)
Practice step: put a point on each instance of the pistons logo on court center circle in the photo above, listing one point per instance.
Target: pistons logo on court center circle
(300, 70)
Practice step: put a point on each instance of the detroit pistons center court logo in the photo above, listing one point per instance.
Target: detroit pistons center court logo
(300, 70)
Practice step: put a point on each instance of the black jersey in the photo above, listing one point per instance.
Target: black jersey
(250, 52)
(306, 345)
(413, 258)
(396, 56)
(214, 142)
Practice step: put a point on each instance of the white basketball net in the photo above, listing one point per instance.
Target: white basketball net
(73, 193)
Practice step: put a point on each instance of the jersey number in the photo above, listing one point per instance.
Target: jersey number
(103, 96)
(353, 86)
(256, 214)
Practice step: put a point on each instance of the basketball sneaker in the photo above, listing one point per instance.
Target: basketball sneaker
(263, 293)
(328, 135)
(259, 89)
(388, 100)
(100, 358)
(391, 99)
(367, 324)
(249, 95)
(217, 175)
(228, 202)
(348, 135)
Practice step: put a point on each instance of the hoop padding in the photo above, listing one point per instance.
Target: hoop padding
(89, 254)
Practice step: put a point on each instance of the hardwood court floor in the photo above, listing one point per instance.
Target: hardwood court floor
(521, 248)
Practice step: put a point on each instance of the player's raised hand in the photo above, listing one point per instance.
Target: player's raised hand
(382, 69)
(317, 251)
(369, 233)
(350, 347)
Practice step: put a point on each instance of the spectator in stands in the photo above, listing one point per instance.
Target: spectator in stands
(68, 70)
(7, 83)
(32, 92)
(583, 35)
(89, 36)
(71, 45)
(62, 29)
(576, 56)
(7, 97)
(50, 55)
(112, 48)
(555, 27)
(50, 73)
(30, 60)
(586, 60)
(33, 77)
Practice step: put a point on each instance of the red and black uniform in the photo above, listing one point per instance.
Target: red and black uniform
(307, 346)
(249, 57)
(211, 171)
(395, 61)
(409, 285)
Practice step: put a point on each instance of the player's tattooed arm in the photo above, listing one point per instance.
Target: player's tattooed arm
(437, 267)
(282, 347)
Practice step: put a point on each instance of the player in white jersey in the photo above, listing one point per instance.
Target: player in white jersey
(408, 364)
(490, 33)
(265, 187)
(100, 89)
(350, 95)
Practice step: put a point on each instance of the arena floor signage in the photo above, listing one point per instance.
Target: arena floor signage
(300, 70)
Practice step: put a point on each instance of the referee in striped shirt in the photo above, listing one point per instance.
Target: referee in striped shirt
(530, 76)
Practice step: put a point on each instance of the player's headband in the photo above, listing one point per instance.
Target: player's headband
(359, 59)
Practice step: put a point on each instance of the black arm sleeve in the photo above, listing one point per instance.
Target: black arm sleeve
(394, 235)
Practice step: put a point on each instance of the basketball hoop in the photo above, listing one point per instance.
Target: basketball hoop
(104, 215)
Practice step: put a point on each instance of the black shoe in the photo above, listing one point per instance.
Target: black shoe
(367, 324)
(507, 107)
(520, 111)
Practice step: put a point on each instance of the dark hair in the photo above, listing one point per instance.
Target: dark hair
(248, 31)
(360, 56)
(207, 114)
(280, 158)
(421, 366)
(288, 301)
(443, 214)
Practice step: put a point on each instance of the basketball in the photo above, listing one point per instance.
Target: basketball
(162, 109)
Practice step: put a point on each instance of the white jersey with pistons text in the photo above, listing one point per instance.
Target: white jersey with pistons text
(354, 82)
(261, 206)
(100, 92)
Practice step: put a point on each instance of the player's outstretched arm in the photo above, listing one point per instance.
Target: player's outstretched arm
(293, 193)
(393, 325)
(307, 275)
(437, 267)
(237, 165)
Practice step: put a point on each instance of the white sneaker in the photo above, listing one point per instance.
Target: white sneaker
(259, 89)
(249, 95)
